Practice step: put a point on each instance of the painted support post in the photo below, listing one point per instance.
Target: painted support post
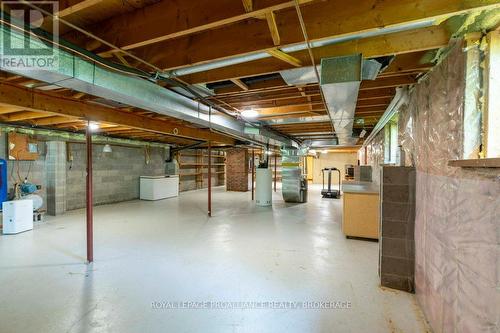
(89, 201)
(275, 170)
(209, 179)
(253, 172)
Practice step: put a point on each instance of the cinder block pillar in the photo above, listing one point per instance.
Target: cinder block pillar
(237, 169)
(55, 170)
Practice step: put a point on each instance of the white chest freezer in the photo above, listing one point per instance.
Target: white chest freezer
(159, 187)
(17, 216)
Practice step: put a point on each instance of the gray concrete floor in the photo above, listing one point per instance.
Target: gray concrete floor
(169, 251)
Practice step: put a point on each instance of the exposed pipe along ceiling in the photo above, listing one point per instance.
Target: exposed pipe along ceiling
(86, 76)
(107, 83)
(365, 131)
(202, 105)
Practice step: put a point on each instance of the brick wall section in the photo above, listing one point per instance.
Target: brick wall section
(236, 170)
(115, 175)
(397, 242)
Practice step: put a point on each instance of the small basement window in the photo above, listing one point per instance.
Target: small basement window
(491, 123)
(481, 137)
(391, 141)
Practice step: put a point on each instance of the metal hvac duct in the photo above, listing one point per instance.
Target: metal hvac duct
(296, 48)
(294, 184)
(340, 81)
(82, 75)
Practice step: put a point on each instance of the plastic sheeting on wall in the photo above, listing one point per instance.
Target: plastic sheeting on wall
(458, 210)
(457, 234)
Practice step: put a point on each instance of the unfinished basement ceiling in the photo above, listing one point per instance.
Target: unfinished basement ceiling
(204, 38)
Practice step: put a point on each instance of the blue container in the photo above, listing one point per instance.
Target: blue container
(3, 180)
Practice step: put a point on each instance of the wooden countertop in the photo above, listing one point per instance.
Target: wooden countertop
(361, 187)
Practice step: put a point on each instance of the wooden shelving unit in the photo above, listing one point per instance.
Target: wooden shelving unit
(193, 165)
(259, 154)
(278, 167)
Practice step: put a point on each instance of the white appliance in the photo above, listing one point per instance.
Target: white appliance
(263, 187)
(159, 187)
(17, 216)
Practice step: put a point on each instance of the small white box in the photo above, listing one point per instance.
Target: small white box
(159, 187)
(17, 216)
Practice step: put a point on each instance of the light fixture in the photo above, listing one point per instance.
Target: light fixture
(250, 113)
(93, 126)
(362, 134)
(107, 148)
(269, 152)
(324, 151)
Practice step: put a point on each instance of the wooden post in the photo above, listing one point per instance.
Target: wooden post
(89, 199)
(209, 179)
(275, 170)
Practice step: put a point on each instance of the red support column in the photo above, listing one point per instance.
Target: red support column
(275, 170)
(90, 216)
(253, 172)
(209, 179)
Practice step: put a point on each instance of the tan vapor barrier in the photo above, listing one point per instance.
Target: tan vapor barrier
(457, 234)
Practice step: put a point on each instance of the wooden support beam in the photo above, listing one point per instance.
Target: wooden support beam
(289, 109)
(39, 101)
(279, 103)
(53, 121)
(411, 41)
(78, 95)
(248, 5)
(292, 115)
(84, 4)
(273, 28)
(351, 17)
(162, 22)
(24, 115)
(122, 59)
(9, 109)
(240, 84)
(383, 82)
(278, 54)
(374, 102)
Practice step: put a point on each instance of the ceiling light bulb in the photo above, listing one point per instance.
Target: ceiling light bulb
(324, 151)
(107, 149)
(93, 126)
(269, 152)
(249, 113)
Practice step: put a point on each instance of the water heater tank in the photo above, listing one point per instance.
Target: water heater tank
(263, 189)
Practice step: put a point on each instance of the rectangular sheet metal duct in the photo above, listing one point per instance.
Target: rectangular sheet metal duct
(340, 82)
(82, 75)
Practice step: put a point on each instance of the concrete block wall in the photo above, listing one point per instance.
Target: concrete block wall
(115, 175)
(237, 170)
(397, 241)
(55, 172)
